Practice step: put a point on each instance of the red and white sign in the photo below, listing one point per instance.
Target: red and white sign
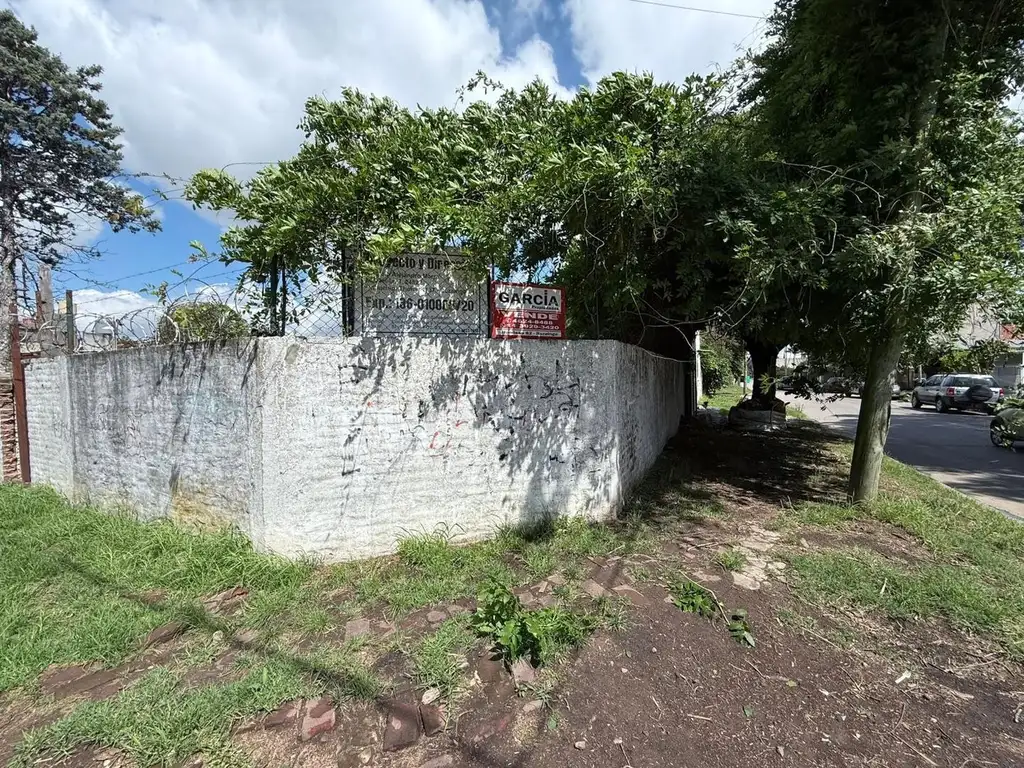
(527, 311)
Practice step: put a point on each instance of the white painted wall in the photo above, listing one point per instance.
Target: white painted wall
(338, 449)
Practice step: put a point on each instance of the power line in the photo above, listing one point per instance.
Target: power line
(699, 10)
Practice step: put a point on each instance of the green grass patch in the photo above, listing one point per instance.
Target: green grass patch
(726, 397)
(437, 658)
(731, 559)
(973, 575)
(70, 578)
(430, 568)
(159, 724)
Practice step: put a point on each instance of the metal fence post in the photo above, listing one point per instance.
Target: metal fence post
(71, 335)
(20, 403)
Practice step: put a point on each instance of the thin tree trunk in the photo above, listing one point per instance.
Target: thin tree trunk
(876, 405)
(873, 420)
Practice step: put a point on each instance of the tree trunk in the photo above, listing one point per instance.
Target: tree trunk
(874, 417)
(876, 404)
(764, 359)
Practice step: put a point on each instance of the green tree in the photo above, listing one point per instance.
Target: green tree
(201, 321)
(621, 193)
(899, 104)
(59, 164)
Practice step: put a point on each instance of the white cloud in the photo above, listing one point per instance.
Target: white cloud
(201, 83)
(612, 35)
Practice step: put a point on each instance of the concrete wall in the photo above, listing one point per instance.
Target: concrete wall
(339, 449)
(162, 430)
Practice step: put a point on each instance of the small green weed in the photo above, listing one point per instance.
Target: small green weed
(541, 636)
(691, 597)
(731, 559)
(740, 628)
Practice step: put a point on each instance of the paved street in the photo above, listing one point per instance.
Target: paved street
(953, 448)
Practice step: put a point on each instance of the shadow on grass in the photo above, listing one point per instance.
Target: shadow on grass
(338, 685)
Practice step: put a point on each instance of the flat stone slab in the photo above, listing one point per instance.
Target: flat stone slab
(744, 581)
(163, 634)
(594, 589)
(634, 596)
(54, 680)
(403, 726)
(226, 601)
(357, 628)
(285, 715)
(432, 718)
(523, 672)
(318, 718)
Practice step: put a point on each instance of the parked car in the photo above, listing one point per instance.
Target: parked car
(1007, 427)
(895, 390)
(838, 385)
(958, 391)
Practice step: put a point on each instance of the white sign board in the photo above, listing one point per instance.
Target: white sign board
(420, 294)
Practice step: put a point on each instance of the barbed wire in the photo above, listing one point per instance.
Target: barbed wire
(207, 315)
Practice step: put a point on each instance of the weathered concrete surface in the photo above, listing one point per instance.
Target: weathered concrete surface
(339, 449)
(163, 431)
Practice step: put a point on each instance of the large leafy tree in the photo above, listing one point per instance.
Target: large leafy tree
(899, 104)
(59, 167)
(637, 195)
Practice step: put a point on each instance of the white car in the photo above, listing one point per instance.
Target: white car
(958, 392)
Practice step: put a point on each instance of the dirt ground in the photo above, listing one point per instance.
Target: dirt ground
(822, 686)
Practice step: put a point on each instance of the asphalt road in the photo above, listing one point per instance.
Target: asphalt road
(954, 448)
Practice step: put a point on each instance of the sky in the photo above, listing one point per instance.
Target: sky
(221, 83)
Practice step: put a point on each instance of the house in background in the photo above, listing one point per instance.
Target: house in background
(977, 327)
(1010, 370)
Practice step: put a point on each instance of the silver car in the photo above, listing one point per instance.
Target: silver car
(958, 391)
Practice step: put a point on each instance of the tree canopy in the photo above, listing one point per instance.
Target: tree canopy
(899, 105)
(60, 163)
(863, 190)
(60, 158)
(201, 320)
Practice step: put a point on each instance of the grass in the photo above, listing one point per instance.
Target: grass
(731, 559)
(159, 723)
(75, 587)
(437, 658)
(971, 572)
(430, 568)
(70, 578)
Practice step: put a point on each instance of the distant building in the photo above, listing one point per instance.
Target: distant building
(97, 336)
(978, 327)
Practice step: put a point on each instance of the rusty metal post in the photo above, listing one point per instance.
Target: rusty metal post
(20, 401)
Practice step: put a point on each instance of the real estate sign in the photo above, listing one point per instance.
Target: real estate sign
(419, 294)
(527, 311)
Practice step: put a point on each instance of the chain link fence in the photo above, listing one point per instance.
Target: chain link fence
(405, 302)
